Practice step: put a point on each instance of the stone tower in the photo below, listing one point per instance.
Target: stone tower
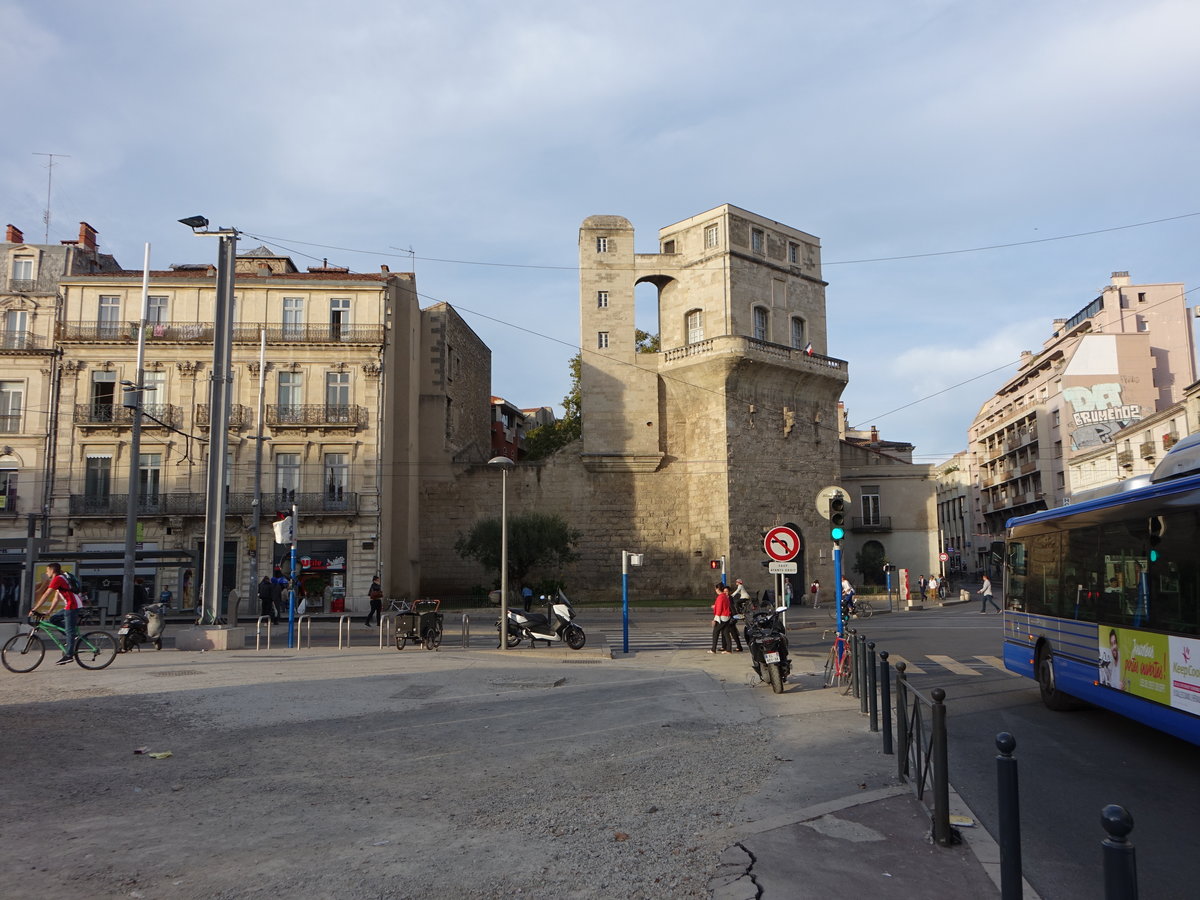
(732, 426)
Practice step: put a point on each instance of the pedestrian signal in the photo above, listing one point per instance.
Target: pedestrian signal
(714, 564)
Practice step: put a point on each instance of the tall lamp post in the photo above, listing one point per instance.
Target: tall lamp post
(134, 396)
(218, 446)
(503, 463)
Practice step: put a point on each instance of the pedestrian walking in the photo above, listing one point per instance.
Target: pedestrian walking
(375, 595)
(985, 592)
(814, 591)
(787, 593)
(722, 613)
(266, 599)
(527, 596)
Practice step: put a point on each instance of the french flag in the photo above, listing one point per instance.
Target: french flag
(808, 348)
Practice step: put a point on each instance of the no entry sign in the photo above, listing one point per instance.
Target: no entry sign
(781, 543)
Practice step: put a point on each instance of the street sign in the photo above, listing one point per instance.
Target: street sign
(781, 543)
(943, 556)
(783, 568)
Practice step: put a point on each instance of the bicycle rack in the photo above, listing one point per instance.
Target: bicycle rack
(258, 632)
(387, 625)
(466, 631)
(343, 624)
(303, 621)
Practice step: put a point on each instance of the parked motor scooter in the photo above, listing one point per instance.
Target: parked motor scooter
(768, 643)
(556, 625)
(144, 627)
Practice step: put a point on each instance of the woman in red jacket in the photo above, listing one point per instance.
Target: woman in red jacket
(722, 613)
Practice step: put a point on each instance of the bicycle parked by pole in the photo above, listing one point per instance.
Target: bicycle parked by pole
(25, 652)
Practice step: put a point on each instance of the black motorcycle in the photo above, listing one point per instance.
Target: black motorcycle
(145, 627)
(767, 639)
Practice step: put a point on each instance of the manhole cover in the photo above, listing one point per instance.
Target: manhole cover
(169, 672)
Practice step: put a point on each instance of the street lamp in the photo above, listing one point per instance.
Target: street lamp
(503, 463)
(218, 446)
(134, 400)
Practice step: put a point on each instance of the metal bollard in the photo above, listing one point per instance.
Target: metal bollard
(885, 700)
(941, 775)
(466, 631)
(1008, 809)
(860, 672)
(871, 686)
(1120, 864)
(901, 721)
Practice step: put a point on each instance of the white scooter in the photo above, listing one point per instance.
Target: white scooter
(556, 625)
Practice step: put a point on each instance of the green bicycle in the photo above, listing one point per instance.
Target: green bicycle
(25, 652)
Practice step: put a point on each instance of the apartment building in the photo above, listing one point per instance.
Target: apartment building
(1125, 355)
(29, 301)
(327, 371)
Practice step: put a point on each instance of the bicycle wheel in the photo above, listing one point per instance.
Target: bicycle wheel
(830, 665)
(865, 610)
(96, 650)
(23, 652)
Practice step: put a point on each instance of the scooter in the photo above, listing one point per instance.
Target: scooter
(144, 627)
(556, 625)
(768, 643)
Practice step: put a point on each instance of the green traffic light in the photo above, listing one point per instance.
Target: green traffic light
(1153, 556)
(837, 533)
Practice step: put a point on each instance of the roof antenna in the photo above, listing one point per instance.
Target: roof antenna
(49, 182)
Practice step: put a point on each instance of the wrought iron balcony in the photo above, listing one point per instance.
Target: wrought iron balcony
(871, 524)
(1124, 457)
(22, 285)
(193, 504)
(97, 414)
(327, 333)
(1148, 450)
(239, 416)
(330, 501)
(153, 504)
(316, 415)
(19, 341)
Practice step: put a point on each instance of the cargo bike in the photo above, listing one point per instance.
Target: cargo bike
(419, 622)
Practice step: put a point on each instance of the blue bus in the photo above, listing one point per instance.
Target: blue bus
(1102, 597)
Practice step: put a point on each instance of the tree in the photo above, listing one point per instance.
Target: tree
(647, 342)
(534, 539)
(547, 439)
(869, 563)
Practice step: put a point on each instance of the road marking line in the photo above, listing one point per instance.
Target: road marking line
(998, 663)
(909, 668)
(954, 666)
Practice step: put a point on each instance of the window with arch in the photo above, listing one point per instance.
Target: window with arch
(694, 326)
(761, 327)
(799, 333)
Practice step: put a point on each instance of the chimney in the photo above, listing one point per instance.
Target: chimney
(13, 235)
(1120, 279)
(87, 236)
(382, 268)
(874, 435)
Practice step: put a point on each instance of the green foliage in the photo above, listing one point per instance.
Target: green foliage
(647, 342)
(546, 440)
(868, 562)
(534, 540)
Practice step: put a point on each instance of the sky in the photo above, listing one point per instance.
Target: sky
(467, 141)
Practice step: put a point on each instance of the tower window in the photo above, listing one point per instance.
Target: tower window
(601, 245)
(602, 340)
(760, 324)
(712, 236)
(793, 253)
(758, 240)
(799, 339)
(695, 326)
(601, 299)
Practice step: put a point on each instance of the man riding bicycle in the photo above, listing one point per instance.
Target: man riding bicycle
(847, 599)
(66, 617)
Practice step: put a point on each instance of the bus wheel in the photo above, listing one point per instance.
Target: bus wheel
(1051, 695)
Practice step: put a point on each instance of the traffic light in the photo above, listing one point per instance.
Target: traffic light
(714, 564)
(837, 517)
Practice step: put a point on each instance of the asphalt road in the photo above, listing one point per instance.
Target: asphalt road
(1070, 764)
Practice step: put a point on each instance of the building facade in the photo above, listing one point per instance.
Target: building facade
(29, 305)
(689, 452)
(1125, 355)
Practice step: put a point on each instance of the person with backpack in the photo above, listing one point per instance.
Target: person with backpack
(375, 595)
(66, 617)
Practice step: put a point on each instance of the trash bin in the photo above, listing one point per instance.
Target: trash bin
(337, 605)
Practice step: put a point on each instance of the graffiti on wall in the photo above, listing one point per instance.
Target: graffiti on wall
(1097, 413)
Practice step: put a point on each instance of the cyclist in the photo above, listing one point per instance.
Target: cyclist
(65, 618)
(847, 599)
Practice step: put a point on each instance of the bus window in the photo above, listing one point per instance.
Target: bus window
(1038, 587)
